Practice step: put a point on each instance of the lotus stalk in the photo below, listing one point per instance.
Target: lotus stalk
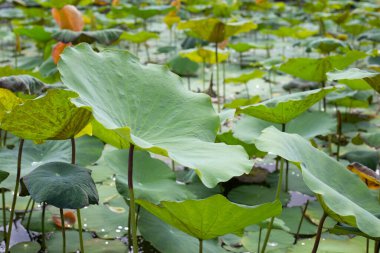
(132, 199)
(18, 176)
(319, 232)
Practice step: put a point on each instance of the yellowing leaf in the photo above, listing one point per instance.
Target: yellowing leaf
(368, 176)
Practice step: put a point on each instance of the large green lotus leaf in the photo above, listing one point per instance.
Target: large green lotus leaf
(168, 239)
(105, 37)
(243, 47)
(153, 179)
(93, 245)
(148, 106)
(88, 151)
(344, 196)
(356, 78)
(62, 185)
(8, 101)
(37, 33)
(308, 125)
(214, 30)
(287, 107)
(139, 37)
(239, 102)
(204, 54)
(199, 219)
(49, 117)
(23, 83)
(244, 78)
(315, 69)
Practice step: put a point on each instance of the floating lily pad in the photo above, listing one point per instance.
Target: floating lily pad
(62, 185)
(278, 240)
(168, 239)
(105, 222)
(121, 106)
(25, 247)
(332, 245)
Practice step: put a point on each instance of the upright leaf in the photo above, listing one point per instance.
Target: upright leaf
(342, 194)
(148, 106)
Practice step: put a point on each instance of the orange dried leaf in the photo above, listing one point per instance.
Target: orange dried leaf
(368, 176)
(69, 218)
(57, 50)
(68, 17)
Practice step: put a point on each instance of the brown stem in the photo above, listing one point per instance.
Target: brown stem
(319, 232)
(296, 237)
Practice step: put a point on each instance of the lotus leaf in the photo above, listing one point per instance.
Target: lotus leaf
(153, 179)
(139, 37)
(62, 185)
(308, 125)
(49, 117)
(23, 83)
(105, 37)
(214, 30)
(357, 78)
(244, 78)
(342, 194)
(285, 108)
(204, 54)
(315, 69)
(155, 112)
(199, 219)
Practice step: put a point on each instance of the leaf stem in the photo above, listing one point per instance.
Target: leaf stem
(73, 161)
(19, 159)
(26, 208)
(277, 197)
(132, 199)
(339, 132)
(80, 231)
(29, 218)
(200, 245)
(319, 232)
(296, 237)
(43, 243)
(63, 230)
(217, 76)
(4, 214)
